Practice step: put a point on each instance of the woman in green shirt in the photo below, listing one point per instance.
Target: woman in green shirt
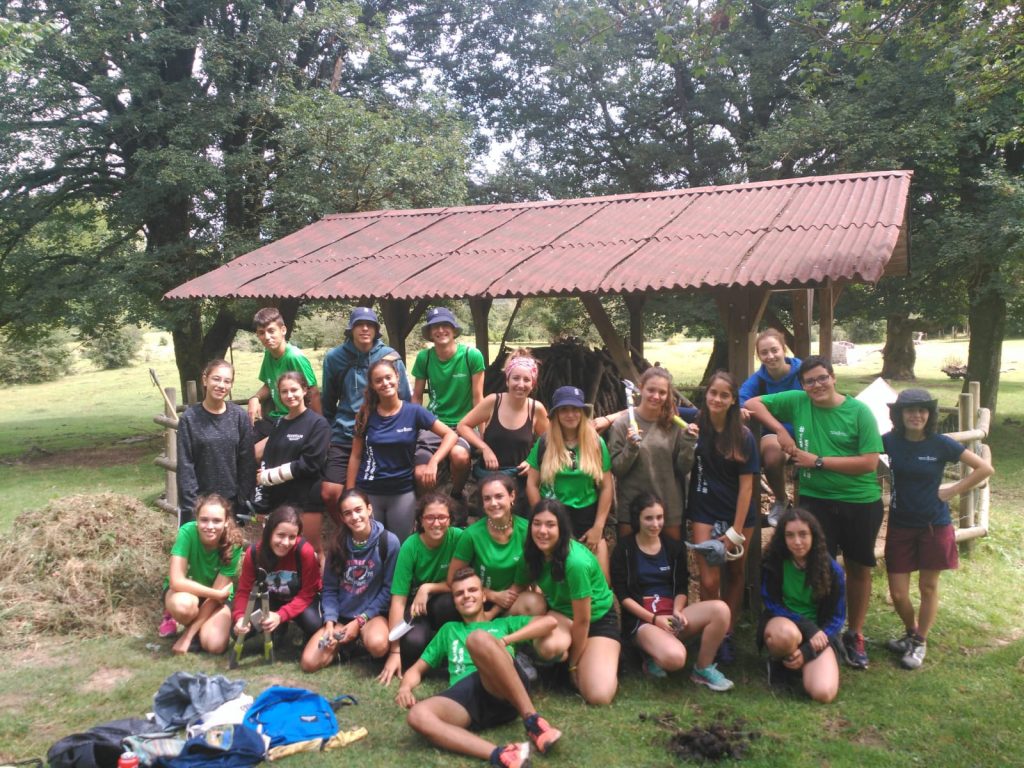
(204, 561)
(579, 598)
(421, 601)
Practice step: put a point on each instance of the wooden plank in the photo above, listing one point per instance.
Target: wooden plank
(741, 309)
(803, 311)
(826, 319)
(481, 309)
(635, 304)
(610, 337)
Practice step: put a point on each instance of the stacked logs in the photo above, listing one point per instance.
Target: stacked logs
(569, 361)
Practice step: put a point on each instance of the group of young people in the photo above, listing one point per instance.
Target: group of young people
(415, 583)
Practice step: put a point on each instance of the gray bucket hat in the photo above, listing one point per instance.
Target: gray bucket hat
(914, 396)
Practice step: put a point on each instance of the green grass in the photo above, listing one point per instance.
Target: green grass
(963, 708)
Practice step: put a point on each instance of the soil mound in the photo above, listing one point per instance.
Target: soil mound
(89, 565)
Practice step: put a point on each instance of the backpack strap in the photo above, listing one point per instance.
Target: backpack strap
(345, 700)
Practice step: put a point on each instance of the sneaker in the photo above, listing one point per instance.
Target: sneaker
(726, 653)
(856, 653)
(776, 512)
(711, 677)
(901, 645)
(651, 669)
(914, 657)
(512, 755)
(778, 675)
(541, 733)
(168, 626)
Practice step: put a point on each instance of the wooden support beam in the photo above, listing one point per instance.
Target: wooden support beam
(610, 336)
(635, 304)
(481, 309)
(741, 310)
(803, 310)
(826, 319)
(395, 314)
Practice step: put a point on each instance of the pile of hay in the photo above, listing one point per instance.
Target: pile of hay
(88, 566)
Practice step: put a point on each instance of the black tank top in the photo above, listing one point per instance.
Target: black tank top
(511, 446)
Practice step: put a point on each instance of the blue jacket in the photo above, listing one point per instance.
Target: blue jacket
(344, 382)
(364, 584)
(761, 383)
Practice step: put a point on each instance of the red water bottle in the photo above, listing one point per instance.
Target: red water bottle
(128, 760)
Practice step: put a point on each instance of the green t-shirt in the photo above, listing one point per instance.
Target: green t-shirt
(449, 644)
(494, 563)
(271, 369)
(583, 578)
(451, 381)
(849, 429)
(204, 566)
(797, 594)
(419, 564)
(573, 487)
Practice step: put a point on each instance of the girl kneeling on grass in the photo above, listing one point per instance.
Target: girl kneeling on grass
(291, 571)
(204, 561)
(920, 534)
(803, 590)
(650, 578)
(357, 585)
(578, 597)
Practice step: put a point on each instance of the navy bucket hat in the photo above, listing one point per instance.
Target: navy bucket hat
(438, 315)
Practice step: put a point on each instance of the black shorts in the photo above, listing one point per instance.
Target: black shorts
(485, 709)
(582, 518)
(336, 466)
(427, 444)
(606, 626)
(850, 528)
(262, 429)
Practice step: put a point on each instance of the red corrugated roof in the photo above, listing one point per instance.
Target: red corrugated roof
(777, 233)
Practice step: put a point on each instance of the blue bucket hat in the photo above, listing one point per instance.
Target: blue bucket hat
(570, 396)
(438, 315)
(362, 315)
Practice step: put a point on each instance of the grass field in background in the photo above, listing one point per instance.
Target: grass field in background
(93, 431)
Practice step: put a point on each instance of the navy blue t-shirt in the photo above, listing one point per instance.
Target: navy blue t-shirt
(389, 450)
(916, 476)
(715, 480)
(654, 577)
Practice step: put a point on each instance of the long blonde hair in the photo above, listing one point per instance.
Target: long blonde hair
(557, 455)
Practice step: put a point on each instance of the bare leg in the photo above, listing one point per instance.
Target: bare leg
(555, 647)
(821, 677)
(899, 590)
(375, 637)
(315, 658)
(734, 580)
(498, 671)
(858, 594)
(773, 463)
(529, 604)
(215, 634)
(330, 495)
(929, 586)
(459, 462)
(674, 532)
(710, 619)
(781, 637)
(445, 724)
(207, 608)
(312, 523)
(598, 671)
(710, 575)
(666, 650)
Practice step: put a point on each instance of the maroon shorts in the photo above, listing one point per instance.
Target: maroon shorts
(920, 549)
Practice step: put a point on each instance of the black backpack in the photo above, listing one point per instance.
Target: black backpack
(99, 747)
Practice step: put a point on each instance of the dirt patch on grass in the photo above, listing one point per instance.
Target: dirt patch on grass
(105, 679)
(870, 737)
(128, 451)
(90, 565)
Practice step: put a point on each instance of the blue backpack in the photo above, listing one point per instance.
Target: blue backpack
(289, 715)
(228, 746)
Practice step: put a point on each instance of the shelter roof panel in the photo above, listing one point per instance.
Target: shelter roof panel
(380, 276)
(551, 270)
(306, 242)
(675, 263)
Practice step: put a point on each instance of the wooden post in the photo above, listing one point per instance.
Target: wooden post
(741, 310)
(481, 309)
(171, 449)
(400, 317)
(635, 304)
(803, 306)
(610, 337)
(192, 392)
(967, 408)
(825, 321)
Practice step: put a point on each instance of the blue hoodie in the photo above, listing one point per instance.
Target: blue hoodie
(364, 585)
(344, 382)
(761, 383)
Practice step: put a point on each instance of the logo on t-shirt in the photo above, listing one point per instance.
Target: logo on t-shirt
(292, 438)
(927, 458)
(403, 429)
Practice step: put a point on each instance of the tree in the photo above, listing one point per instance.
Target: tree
(198, 131)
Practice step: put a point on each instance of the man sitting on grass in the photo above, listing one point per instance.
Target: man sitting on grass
(488, 687)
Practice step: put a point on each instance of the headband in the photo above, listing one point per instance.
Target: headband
(522, 362)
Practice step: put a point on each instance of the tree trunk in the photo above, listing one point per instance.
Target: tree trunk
(899, 354)
(718, 361)
(987, 319)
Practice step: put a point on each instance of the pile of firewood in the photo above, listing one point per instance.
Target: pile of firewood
(570, 361)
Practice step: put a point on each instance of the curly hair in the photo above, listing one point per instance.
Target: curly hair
(231, 537)
(818, 570)
(265, 557)
(428, 499)
(531, 553)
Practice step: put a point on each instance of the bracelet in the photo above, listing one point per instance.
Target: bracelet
(361, 618)
(572, 668)
(395, 653)
(654, 618)
(734, 536)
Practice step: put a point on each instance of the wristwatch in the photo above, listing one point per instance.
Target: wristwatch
(819, 463)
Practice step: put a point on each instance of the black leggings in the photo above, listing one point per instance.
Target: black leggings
(440, 610)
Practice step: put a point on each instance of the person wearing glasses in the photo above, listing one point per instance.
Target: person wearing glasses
(836, 449)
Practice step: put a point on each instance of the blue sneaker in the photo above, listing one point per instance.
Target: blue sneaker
(651, 669)
(711, 677)
(856, 653)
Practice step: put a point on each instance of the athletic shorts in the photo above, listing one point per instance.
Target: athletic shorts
(921, 549)
(697, 515)
(850, 528)
(336, 466)
(582, 519)
(427, 444)
(485, 709)
(262, 429)
(606, 626)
